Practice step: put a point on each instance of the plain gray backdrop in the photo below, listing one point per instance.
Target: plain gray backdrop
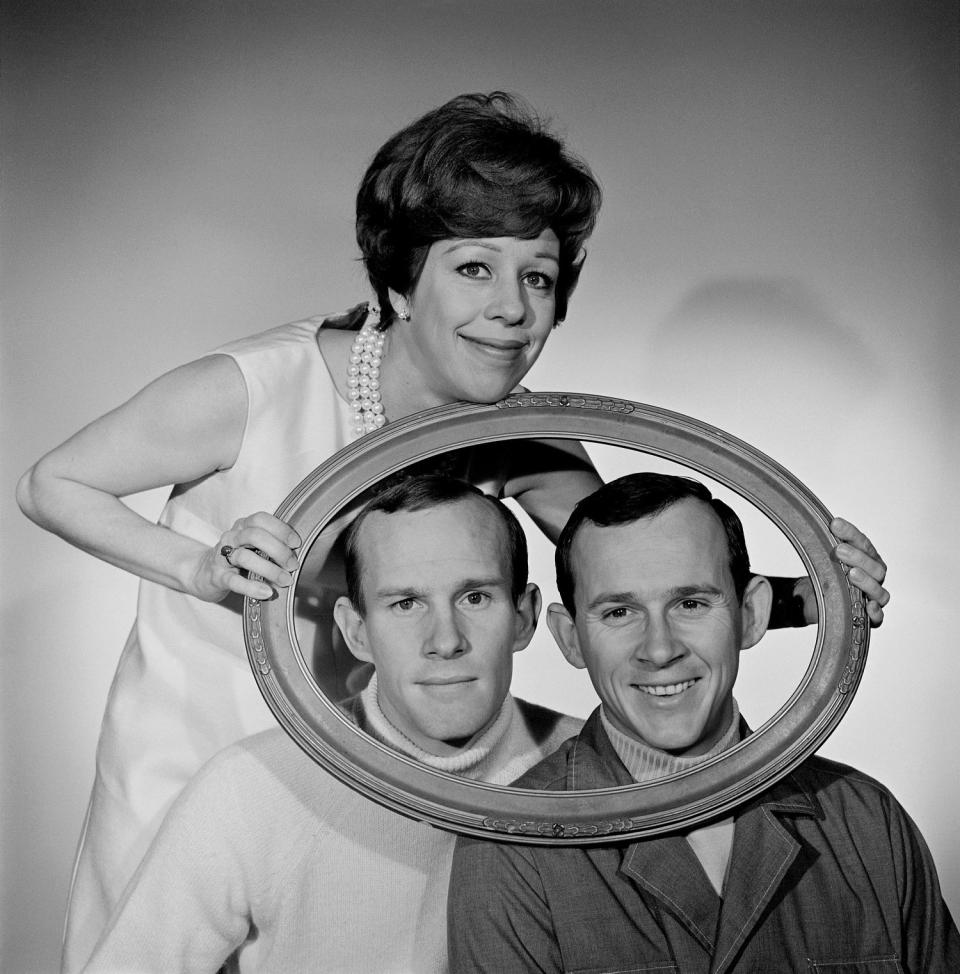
(777, 255)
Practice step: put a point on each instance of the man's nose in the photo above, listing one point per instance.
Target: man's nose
(446, 638)
(659, 646)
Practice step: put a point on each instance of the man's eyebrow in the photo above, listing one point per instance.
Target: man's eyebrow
(705, 588)
(606, 598)
(399, 592)
(678, 592)
(463, 585)
(482, 581)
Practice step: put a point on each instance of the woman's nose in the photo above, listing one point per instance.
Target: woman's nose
(508, 303)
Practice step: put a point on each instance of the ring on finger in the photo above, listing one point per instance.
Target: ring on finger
(227, 550)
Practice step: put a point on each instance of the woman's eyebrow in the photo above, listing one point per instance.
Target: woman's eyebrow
(486, 245)
(469, 242)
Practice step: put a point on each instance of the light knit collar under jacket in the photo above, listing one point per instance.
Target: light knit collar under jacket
(647, 763)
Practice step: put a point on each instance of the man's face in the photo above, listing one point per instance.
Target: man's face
(658, 625)
(440, 625)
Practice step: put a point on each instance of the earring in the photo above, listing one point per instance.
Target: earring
(403, 314)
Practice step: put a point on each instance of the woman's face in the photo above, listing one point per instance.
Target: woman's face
(479, 316)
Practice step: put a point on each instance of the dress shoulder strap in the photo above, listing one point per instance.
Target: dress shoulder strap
(351, 319)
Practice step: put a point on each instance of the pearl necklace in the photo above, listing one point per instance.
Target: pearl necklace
(363, 377)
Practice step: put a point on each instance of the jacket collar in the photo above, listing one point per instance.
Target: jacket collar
(666, 868)
(594, 763)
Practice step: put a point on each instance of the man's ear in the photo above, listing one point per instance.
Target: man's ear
(528, 612)
(755, 610)
(351, 625)
(564, 630)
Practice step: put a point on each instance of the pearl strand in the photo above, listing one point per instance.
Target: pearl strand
(363, 378)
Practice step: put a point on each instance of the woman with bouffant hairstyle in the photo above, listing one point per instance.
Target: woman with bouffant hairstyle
(478, 166)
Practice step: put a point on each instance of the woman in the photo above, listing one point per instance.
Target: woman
(471, 222)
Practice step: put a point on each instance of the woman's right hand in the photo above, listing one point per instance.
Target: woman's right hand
(261, 544)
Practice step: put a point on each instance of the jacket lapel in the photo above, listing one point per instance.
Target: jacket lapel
(667, 869)
(763, 850)
(664, 867)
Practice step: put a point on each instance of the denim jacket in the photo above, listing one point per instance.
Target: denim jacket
(827, 874)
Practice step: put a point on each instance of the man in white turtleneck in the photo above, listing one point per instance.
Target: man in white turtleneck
(268, 860)
(823, 871)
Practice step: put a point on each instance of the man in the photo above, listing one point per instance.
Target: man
(822, 872)
(268, 858)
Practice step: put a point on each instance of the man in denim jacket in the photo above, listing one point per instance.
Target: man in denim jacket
(824, 871)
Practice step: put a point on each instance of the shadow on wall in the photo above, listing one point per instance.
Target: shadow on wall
(765, 359)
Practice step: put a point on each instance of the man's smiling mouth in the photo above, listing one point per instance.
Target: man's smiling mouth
(664, 689)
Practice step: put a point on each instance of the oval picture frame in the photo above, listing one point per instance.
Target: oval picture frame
(678, 801)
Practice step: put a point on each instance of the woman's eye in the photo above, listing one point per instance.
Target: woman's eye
(539, 281)
(475, 270)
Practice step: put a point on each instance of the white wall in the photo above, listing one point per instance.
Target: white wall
(777, 255)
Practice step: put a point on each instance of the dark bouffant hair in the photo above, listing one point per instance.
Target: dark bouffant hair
(641, 495)
(478, 166)
(420, 493)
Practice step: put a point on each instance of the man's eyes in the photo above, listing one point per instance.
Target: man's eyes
(476, 599)
(625, 613)
(469, 600)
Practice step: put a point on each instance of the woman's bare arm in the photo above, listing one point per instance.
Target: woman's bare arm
(187, 424)
(548, 478)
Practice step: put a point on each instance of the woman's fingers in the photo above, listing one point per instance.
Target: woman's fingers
(261, 544)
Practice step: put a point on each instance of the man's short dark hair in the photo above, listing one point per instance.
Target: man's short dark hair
(640, 495)
(481, 165)
(421, 493)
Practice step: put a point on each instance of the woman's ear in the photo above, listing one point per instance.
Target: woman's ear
(564, 630)
(572, 278)
(755, 610)
(351, 625)
(400, 304)
(528, 612)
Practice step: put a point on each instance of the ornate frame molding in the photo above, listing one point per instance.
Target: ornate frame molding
(679, 801)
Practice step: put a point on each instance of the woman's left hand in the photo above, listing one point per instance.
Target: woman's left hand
(866, 568)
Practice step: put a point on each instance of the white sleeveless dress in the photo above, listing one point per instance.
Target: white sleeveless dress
(183, 689)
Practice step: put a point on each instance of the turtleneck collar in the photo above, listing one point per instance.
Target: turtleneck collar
(646, 763)
(471, 761)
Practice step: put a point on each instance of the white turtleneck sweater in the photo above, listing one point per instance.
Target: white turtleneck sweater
(270, 859)
(711, 843)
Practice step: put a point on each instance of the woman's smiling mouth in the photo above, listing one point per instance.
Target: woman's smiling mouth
(503, 349)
